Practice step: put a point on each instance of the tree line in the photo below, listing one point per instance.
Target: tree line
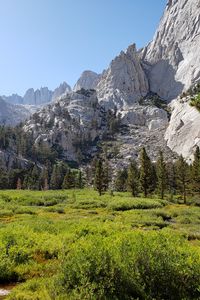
(146, 177)
(140, 177)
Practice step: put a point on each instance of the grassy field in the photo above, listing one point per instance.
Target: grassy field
(76, 245)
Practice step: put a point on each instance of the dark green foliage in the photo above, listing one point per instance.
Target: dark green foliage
(196, 102)
(161, 175)
(195, 172)
(69, 181)
(146, 175)
(121, 180)
(140, 266)
(133, 178)
(99, 179)
(182, 172)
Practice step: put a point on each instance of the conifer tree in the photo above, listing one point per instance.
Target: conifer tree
(145, 172)
(99, 177)
(195, 172)
(19, 184)
(182, 171)
(80, 183)
(161, 175)
(69, 180)
(133, 178)
(55, 178)
(171, 178)
(121, 180)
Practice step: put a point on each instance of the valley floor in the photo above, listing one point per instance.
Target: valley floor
(74, 244)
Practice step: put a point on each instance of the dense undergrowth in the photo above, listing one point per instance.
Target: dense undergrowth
(77, 245)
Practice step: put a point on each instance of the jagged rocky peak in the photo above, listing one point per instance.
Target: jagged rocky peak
(88, 80)
(124, 82)
(62, 89)
(172, 59)
(40, 96)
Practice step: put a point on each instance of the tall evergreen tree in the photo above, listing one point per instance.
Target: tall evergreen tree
(133, 178)
(161, 175)
(145, 172)
(80, 181)
(56, 178)
(195, 172)
(99, 181)
(69, 180)
(121, 180)
(171, 178)
(182, 171)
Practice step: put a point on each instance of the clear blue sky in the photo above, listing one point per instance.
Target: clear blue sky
(46, 42)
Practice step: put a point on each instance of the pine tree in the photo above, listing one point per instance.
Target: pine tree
(19, 184)
(171, 178)
(57, 176)
(99, 177)
(182, 171)
(161, 175)
(133, 178)
(121, 180)
(34, 179)
(145, 172)
(195, 172)
(107, 174)
(69, 180)
(80, 183)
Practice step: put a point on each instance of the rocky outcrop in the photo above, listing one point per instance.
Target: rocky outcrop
(183, 132)
(74, 120)
(124, 82)
(88, 80)
(62, 89)
(172, 59)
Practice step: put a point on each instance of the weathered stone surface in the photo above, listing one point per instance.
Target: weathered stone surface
(183, 133)
(172, 59)
(11, 114)
(62, 89)
(124, 82)
(87, 81)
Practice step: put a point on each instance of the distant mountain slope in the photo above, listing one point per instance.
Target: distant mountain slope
(38, 97)
(12, 114)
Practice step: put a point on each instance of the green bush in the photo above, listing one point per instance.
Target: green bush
(196, 102)
(133, 203)
(139, 266)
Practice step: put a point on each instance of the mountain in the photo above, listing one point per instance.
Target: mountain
(138, 86)
(11, 114)
(172, 64)
(172, 59)
(88, 80)
(124, 82)
(62, 89)
(141, 99)
(38, 97)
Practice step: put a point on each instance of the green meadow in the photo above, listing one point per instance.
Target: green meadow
(74, 244)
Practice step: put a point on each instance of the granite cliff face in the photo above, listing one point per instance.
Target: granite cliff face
(88, 80)
(172, 64)
(172, 59)
(124, 82)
